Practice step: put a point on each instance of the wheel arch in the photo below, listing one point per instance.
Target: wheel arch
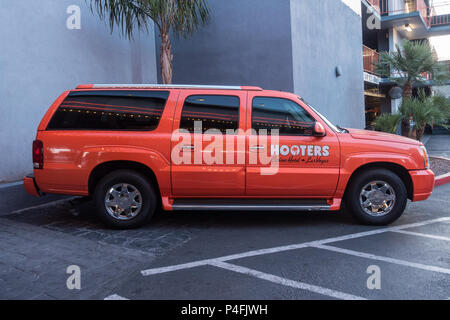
(105, 168)
(395, 168)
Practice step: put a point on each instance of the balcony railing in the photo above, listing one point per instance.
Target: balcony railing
(370, 56)
(439, 15)
(434, 15)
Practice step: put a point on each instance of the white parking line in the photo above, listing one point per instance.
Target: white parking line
(115, 297)
(252, 253)
(10, 184)
(386, 259)
(419, 234)
(44, 205)
(286, 282)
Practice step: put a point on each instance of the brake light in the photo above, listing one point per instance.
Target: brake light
(38, 154)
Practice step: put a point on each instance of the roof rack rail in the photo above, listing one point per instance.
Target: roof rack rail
(167, 86)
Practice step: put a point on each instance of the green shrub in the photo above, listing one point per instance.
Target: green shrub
(387, 122)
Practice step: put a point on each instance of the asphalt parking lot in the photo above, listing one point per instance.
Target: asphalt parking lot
(236, 255)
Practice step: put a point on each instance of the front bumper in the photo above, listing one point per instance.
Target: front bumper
(30, 186)
(423, 184)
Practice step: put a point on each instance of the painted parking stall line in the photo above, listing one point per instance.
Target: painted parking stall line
(252, 253)
(46, 205)
(425, 235)
(10, 184)
(382, 258)
(286, 282)
(115, 297)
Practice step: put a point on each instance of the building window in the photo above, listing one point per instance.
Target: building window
(214, 111)
(282, 114)
(110, 110)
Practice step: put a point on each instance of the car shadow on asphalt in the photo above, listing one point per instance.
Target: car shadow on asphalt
(167, 230)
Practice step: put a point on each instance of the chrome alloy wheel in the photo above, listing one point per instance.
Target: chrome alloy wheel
(377, 198)
(123, 201)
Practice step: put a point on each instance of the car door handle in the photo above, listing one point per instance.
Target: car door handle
(187, 147)
(256, 148)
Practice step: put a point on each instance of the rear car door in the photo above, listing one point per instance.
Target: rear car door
(308, 166)
(208, 149)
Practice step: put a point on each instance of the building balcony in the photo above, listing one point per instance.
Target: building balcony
(416, 19)
(370, 56)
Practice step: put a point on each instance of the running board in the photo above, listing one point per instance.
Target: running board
(250, 205)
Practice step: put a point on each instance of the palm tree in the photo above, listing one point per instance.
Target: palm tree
(406, 66)
(387, 122)
(181, 17)
(425, 110)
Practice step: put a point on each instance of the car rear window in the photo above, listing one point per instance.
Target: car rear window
(110, 110)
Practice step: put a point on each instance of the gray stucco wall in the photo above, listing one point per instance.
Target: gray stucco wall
(246, 43)
(326, 34)
(40, 58)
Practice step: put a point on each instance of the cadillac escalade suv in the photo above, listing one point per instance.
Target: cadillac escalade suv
(134, 148)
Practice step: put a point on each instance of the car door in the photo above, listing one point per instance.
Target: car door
(302, 165)
(208, 150)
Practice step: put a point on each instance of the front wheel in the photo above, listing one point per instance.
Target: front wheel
(376, 197)
(125, 199)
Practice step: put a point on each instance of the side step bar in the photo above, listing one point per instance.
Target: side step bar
(249, 205)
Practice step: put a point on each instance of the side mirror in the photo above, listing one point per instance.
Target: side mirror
(319, 130)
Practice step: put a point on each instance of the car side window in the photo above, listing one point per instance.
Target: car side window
(282, 114)
(138, 110)
(219, 112)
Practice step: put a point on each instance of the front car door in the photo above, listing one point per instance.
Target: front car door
(206, 158)
(308, 166)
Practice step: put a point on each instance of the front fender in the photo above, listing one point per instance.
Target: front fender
(354, 161)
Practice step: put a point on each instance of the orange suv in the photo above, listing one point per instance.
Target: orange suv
(134, 148)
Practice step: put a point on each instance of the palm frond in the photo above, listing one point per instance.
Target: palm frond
(181, 16)
(388, 122)
(409, 62)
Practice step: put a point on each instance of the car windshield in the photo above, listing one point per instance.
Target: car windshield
(328, 122)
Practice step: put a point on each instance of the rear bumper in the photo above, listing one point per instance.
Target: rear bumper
(30, 186)
(423, 184)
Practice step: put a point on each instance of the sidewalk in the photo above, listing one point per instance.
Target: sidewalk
(438, 145)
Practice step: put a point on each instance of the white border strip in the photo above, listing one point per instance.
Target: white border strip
(287, 282)
(385, 259)
(198, 263)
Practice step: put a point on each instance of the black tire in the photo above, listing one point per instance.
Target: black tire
(148, 198)
(352, 197)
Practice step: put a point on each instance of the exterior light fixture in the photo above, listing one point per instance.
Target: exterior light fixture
(408, 27)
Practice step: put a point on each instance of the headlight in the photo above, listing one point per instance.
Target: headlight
(425, 157)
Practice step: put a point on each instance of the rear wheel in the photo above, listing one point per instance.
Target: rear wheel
(125, 199)
(376, 197)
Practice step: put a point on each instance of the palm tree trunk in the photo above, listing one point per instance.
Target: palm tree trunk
(166, 58)
(407, 93)
(407, 89)
(420, 131)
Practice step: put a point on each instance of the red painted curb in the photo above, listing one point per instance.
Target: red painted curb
(441, 180)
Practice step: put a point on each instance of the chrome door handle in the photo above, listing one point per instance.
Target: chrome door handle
(187, 147)
(256, 148)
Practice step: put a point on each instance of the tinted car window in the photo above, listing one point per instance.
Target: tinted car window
(110, 110)
(214, 112)
(282, 114)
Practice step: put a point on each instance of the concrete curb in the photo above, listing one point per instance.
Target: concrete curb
(437, 157)
(442, 179)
